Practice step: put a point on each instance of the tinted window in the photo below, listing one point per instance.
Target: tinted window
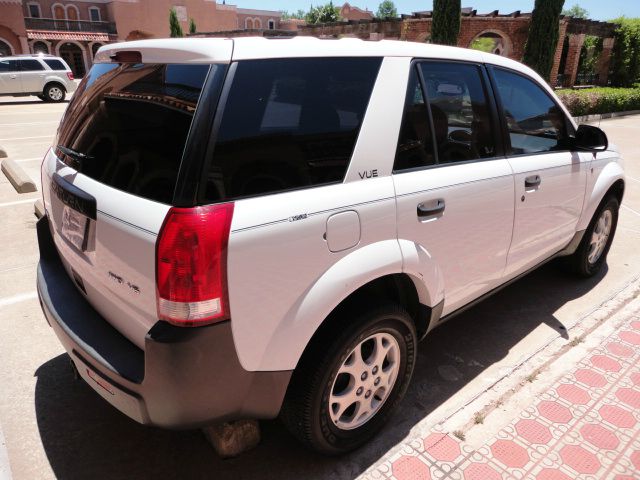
(133, 121)
(415, 146)
(460, 111)
(30, 65)
(34, 11)
(8, 66)
(288, 124)
(534, 121)
(55, 64)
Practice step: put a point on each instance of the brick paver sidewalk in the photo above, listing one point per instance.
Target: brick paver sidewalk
(586, 426)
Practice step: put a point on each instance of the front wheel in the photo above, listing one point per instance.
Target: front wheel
(594, 247)
(53, 93)
(347, 385)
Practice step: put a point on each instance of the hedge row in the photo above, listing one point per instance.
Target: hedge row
(600, 100)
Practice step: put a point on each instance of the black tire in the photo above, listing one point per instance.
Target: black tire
(54, 92)
(306, 407)
(579, 261)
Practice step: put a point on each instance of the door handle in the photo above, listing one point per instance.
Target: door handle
(533, 181)
(424, 211)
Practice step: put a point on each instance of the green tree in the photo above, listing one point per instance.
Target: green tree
(626, 52)
(299, 14)
(174, 24)
(576, 11)
(590, 54)
(445, 26)
(327, 13)
(387, 9)
(484, 44)
(192, 26)
(543, 36)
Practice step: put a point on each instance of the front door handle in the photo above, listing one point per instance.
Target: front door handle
(533, 181)
(424, 211)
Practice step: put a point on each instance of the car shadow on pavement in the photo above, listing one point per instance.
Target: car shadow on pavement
(84, 437)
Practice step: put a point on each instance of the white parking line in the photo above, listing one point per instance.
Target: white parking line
(21, 297)
(23, 160)
(25, 124)
(5, 467)
(17, 202)
(24, 138)
(631, 210)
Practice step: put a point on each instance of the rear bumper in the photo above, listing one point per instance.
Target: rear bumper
(184, 378)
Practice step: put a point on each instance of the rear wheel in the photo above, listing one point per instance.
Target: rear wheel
(347, 384)
(53, 93)
(594, 247)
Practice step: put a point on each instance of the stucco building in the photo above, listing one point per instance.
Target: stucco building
(76, 29)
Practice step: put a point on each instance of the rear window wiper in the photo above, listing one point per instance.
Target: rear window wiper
(78, 157)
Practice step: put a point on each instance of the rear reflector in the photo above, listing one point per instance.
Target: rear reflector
(191, 265)
(70, 75)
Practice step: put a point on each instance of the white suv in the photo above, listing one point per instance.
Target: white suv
(259, 227)
(45, 76)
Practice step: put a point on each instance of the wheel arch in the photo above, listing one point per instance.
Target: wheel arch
(366, 275)
(609, 181)
(53, 81)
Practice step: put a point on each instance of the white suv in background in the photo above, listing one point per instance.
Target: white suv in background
(45, 76)
(258, 227)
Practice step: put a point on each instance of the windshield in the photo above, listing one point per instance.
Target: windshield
(127, 125)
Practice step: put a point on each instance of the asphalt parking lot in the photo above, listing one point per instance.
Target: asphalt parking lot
(57, 427)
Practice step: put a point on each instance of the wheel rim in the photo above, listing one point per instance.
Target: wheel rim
(55, 93)
(364, 381)
(600, 236)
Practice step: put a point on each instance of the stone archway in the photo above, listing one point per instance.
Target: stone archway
(492, 41)
(40, 47)
(73, 54)
(5, 49)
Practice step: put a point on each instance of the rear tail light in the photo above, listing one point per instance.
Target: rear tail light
(191, 265)
(70, 75)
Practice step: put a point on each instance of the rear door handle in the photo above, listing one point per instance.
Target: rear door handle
(424, 211)
(533, 181)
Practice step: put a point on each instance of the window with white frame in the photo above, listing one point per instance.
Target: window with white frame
(257, 23)
(94, 14)
(34, 10)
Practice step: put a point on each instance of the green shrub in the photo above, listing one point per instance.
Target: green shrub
(600, 100)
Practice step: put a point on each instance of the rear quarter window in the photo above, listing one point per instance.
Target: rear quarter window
(288, 124)
(130, 124)
(55, 64)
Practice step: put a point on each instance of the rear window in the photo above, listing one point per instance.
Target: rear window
(127, 125)
(55, 64)
(288, 124)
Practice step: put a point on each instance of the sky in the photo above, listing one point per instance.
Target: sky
(598, 9)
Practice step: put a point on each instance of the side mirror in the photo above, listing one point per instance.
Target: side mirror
(590, 139)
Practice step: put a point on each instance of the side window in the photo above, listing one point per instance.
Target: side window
(7, 66)
(415, 145)
(534, 121)
(55, 64)
(460, 111)
(289, 123)
(30, 65)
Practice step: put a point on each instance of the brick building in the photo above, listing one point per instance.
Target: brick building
(350, 12)
(508, 32)
(76, 29)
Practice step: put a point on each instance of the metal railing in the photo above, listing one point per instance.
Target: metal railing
(69, 25)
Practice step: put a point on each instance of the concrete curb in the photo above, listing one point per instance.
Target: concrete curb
(18, 177)
(38, 209)
(603, 116)
(3, 152)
